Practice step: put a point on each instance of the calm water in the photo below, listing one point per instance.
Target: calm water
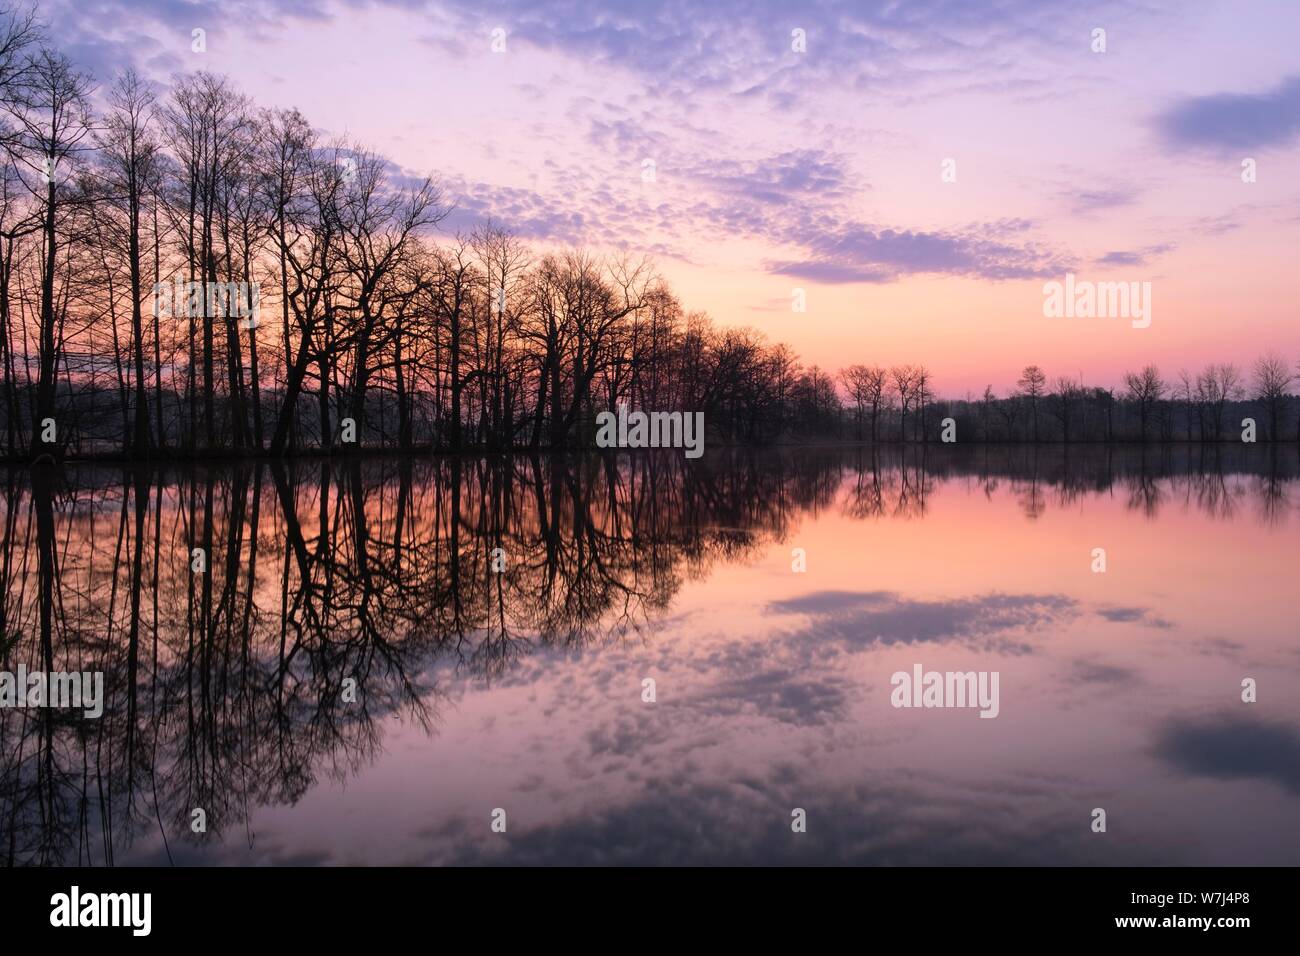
(522, 690)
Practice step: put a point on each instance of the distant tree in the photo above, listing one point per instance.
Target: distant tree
(903, 381)
(921, 387)
(1105, 397)
(1217, 385)
(1065, 398)
(1144, 388)
(1272, 378)
(1032, 384)
(1185, 394)
(855, 382)
(877, 385)
(1009, 410)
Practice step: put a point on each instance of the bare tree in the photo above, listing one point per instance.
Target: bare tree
(987, 401)
(1186, 395)
(51, 111)
(855, 380)
(1272, 378)
(1067, 394)
(921, 381)
(129, 155)
(903, 380)
(1144, 388)
(1217, 385)
(1033, 384)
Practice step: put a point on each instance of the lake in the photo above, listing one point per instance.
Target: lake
(645, 659)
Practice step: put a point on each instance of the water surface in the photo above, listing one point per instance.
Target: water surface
(232, 690)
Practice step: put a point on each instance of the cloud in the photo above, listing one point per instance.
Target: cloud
(793, 200)
(1135, 615)
(1218, 647)
(1083, 201)
(1121, 258)
(862, 618)
(1233, 747)
(527, 213)
(786, 695)
(742, 49)
(827, 271)
(154, 35)
(800, 202)
(731, 48)
(780, 179)
(1134, 257)
(855, 252)
(1234, 121)
(892, 819)
(1093, 672)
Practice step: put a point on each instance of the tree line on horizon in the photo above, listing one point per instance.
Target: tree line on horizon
(368, 330)
(1206, 406)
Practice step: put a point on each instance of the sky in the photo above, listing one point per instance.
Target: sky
(913, 173)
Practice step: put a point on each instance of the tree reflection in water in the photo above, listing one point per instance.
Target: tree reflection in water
(229, 689)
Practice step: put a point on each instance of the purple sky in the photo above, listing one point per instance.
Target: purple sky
(776, 170)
